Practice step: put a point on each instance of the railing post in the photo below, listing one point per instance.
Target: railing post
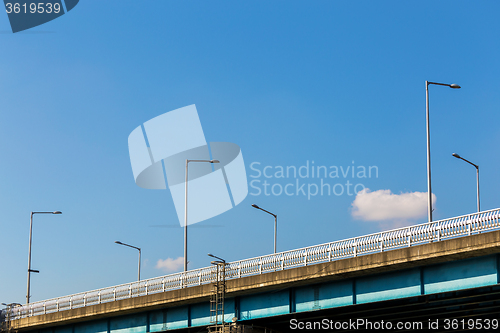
(239, 269)
(57, 305)
(99, 297)
(260, 265)
(163, 284)
(381, 239)
(305, 257)
(129, 291)
(469, 224)
(355, 244)
(44, 308)
(146, 288)
(70, 302)
(408, 234)
(481, 224)
(84, 299)
(114, 294)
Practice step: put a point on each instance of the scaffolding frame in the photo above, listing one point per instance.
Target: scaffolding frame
(6, 317)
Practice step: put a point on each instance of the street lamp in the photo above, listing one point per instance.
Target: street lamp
(29, 252)
(477, 178)
(12, 304)
(429, 190)
(186, 209)
(221, 260)
(139, 249)
(275, 222)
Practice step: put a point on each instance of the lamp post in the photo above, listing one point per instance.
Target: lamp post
(29, 252)
(275, 223)
(429, 190)
(12, 304)
(186, 209)
(139, 249)
(477, 178)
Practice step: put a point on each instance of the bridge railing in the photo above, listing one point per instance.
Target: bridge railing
(382, 241)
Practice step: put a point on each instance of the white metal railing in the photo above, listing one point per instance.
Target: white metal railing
(388, 240)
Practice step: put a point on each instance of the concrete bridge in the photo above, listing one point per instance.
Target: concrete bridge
(444, 268)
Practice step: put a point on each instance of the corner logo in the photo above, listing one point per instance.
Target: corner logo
(28, 14)
(158, 152)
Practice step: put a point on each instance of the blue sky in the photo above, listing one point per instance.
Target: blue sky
(290, 82)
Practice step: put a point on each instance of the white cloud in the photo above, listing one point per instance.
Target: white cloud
(385, 206)
(170, 265)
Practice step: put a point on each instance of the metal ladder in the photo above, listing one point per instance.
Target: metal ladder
(218, 276)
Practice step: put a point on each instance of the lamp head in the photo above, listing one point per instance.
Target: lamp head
(118, 242)
(255, 206)
(57, 212)
(214, 161)
(221, 260)
(455, 86)
(456, 155)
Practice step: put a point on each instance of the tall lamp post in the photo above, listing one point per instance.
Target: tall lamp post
(429, 190)
(139, 249)
(477, 178)
(275, 223)
(186, 209)
(29, 252)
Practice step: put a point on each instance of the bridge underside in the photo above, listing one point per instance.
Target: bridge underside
(476, 304)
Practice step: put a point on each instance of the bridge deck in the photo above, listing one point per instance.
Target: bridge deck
(436, 267)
